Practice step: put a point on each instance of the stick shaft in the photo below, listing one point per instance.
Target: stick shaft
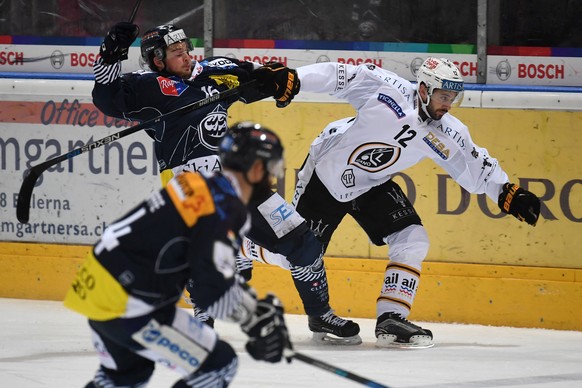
(32, 175)
(131, 19)
(134, 11)
(334, 369)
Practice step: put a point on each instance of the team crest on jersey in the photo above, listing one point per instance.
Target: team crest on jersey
(348, 177)
(170, 87)
(374, 157)
(212, 128)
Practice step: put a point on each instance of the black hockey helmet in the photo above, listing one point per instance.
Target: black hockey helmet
(155, 41)
(246, 142)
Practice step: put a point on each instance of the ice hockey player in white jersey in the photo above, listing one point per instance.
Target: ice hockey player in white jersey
(350, 165)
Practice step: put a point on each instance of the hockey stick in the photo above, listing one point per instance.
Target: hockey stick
(34, 172)
(38, 59)
(134, 12)
(333, 369)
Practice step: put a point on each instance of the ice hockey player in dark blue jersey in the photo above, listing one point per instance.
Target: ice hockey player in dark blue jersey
(189, 142)
(129, 284)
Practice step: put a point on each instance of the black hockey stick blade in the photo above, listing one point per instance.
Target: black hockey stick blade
(333, 369)
(33, 173)
(25, 195)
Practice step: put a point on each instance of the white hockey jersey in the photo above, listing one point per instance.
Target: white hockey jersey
(387, 136)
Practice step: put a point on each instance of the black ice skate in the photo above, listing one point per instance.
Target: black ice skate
(329, 328)
(203, 316)
(393, 331)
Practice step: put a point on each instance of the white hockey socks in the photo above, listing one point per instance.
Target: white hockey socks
(399, 289)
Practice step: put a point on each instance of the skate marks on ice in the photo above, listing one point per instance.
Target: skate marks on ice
(42, 344)
(47, 355)
(524, 381)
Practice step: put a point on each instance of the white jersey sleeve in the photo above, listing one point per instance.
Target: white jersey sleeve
(355, 84)
(468, 164)
(354, 154)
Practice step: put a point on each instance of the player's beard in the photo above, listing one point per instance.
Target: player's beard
(436, 114)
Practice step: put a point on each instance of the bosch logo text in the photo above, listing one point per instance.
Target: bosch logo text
(540, 71)
(359, 61)
(11, 58)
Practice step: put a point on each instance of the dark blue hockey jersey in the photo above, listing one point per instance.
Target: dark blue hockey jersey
(190, 230)
(190, 137)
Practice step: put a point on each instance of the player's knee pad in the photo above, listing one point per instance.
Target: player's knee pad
(217, 371)
(408, 246)
(302, 249)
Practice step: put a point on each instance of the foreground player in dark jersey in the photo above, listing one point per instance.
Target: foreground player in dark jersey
(189, 142)
(129, 284)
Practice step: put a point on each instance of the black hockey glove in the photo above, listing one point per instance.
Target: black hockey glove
(278, 81)
(267, 332)
(522, 204)
(116, 43)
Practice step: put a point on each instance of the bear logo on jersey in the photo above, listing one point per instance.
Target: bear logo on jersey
(374, 157)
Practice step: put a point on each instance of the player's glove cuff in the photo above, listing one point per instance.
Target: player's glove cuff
(278, 81)
(522, 204)
(116, 44)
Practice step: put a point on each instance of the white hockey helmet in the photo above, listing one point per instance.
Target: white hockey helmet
(440, 73)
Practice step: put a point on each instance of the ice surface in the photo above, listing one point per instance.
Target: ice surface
(42, 344)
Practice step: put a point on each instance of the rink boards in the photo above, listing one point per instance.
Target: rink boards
(482, 267)
(497, 295)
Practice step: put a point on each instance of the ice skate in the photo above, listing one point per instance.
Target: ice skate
(394, 331)
(331, 329)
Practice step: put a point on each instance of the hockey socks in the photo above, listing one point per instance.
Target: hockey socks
(311, 283)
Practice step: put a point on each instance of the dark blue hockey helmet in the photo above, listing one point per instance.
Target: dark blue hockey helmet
(246, 142)
(155, 41)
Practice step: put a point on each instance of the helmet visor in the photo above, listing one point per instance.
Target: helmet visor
(447, 97)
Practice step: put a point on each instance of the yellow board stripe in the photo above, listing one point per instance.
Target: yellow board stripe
(403, 267)
(448, 292)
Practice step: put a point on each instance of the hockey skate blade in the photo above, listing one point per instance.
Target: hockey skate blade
(416, 342)
(330, 339)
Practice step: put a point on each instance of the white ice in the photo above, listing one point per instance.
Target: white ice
(42, 344)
